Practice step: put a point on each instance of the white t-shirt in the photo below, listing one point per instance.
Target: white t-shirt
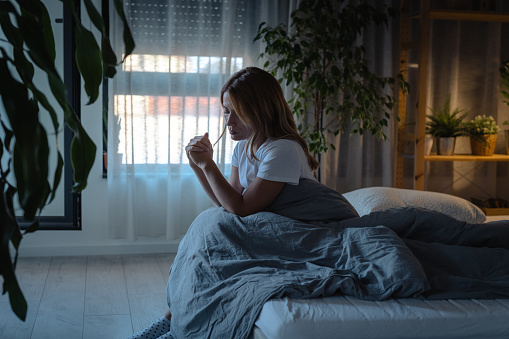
(281, 160)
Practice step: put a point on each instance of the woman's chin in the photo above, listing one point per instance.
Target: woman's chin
(236, 137)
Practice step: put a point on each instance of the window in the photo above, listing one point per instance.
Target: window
(157, 119)
(168, 90)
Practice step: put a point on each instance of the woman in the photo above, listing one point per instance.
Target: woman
(270, 151)
(269, 154)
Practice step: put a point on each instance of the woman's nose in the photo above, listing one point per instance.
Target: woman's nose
(230, 120)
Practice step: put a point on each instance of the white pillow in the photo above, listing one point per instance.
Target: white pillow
(371, 199)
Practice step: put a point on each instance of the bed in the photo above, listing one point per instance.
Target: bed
(375, 264)
(348, 317)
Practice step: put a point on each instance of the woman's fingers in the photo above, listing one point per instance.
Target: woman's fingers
(206, 140)
(193, 148)
(199, 144)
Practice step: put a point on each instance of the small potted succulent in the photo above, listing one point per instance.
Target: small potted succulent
(483, 135)
(445, 125)
(428, 142)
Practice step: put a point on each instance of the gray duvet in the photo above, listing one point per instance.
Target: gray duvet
(311, 243)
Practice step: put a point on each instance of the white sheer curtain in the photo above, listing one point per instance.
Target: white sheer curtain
(363, 160)
(167, 92)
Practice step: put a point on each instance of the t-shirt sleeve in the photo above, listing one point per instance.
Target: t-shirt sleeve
(281, 162)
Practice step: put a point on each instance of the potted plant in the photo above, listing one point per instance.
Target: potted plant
(428, 141)
(320, 56)
(24, 145)
(445, 125)
(483, 135)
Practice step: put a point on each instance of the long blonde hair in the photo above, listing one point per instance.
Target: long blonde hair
(259, 103)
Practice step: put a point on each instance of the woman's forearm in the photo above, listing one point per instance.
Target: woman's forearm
(225, 194)
(205, 184)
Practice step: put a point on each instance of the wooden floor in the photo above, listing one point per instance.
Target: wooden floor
(89, 297)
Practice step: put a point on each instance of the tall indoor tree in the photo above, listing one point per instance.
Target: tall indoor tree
(24, 144)
(320, 56)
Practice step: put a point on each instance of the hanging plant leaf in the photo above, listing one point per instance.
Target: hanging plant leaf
(88, 54)
(109, 58)
(88, 60)
(24, 142)
(128, 37)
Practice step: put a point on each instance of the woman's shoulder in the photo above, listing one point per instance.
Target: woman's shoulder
(285, 144)
(280, 147)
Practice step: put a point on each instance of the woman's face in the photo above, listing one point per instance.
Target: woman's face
(238, 131)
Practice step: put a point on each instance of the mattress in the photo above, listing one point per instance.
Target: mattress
(347, 317)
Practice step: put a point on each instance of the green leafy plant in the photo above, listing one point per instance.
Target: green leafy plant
(481, 125)
(24, 144)
(320, 56)
(445, 122)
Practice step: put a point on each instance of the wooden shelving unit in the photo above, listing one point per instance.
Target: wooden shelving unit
(466, 157)
(425, 16)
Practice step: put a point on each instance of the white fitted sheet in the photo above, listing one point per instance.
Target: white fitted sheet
(346, 317)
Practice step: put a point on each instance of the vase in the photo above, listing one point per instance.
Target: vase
(483, 145)
(445, 146)
(428, 144)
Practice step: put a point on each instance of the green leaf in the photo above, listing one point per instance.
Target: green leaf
(7, 226)
(128, 38)
(88, 60)
(35, 14)
(33, 227)
(57, 176)
(81, 162)
(108, 55)
(35, 36)
(88, 55)
(83, 152)
(31, 151)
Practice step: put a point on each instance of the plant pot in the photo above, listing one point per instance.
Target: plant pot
(483, 145)
(428, 144)
(445, 146)
(507, 141)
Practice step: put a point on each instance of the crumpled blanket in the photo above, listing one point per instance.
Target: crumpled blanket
(227, 267)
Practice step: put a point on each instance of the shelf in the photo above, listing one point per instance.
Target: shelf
(426, 15)
(495, 211)
(467, 157)
(488, 16)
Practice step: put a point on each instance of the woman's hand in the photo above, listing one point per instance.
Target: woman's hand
(199, 151)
